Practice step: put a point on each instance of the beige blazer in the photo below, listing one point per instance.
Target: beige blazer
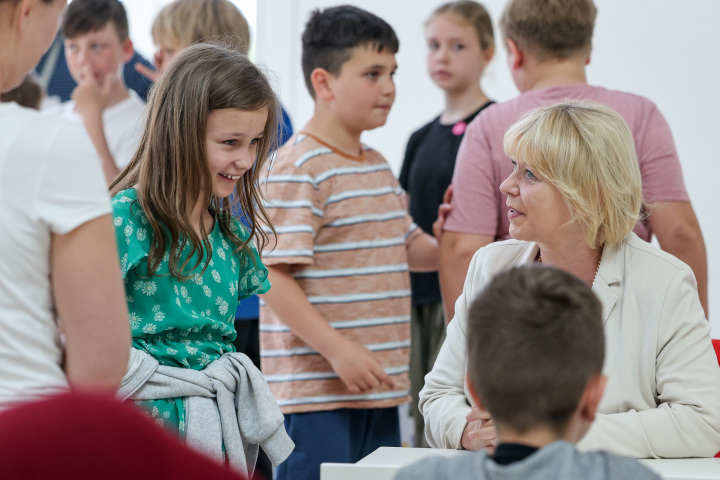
(663, 393)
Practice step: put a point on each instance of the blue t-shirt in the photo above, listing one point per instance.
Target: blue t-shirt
(249, 309)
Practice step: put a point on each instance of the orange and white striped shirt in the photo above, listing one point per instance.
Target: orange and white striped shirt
(342, 225)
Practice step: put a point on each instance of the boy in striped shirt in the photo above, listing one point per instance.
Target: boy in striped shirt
(335, 331)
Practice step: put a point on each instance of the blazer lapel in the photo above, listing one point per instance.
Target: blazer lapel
(527, 255)
(608, 278)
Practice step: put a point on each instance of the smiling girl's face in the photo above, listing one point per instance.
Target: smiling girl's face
(231, 144)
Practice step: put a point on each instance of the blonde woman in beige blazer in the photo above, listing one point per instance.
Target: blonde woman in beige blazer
(575, 195)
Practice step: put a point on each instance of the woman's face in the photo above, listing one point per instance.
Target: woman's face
(38, 25)
(537, 210)
(35, 28)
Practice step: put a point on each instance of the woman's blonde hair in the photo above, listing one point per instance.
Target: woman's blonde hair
(185, 22)
(474, 14)
(587, 151)
(170, 168)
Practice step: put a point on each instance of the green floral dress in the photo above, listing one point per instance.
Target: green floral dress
(182, 324)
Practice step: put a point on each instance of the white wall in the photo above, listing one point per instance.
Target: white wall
(664, 49)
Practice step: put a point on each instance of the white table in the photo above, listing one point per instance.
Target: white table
(384, 462)
(685, 468)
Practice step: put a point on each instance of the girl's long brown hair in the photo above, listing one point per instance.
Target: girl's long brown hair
(170, 168)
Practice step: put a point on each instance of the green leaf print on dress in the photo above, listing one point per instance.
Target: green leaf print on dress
(182, 324)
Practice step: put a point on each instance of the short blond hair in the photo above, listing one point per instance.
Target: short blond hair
(185, 22)
(550, 29)
(472, 13)
(587, 151)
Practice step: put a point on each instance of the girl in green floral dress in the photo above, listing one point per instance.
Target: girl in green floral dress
(211, 122)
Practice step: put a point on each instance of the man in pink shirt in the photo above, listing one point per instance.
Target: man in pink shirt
(549, 44)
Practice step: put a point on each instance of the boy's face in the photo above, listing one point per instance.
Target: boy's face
(97, 53)
(364, 90)
(164, 54)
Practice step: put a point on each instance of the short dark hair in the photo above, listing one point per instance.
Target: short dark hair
(535, 339)
(331, 35)
(85, 16)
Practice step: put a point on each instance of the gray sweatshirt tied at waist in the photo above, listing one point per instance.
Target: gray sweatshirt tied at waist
(228, 403)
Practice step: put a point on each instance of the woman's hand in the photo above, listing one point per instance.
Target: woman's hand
(479, 432)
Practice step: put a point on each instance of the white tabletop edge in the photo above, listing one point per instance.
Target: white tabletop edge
(384, 462)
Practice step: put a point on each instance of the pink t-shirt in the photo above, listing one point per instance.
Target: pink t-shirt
(479, 207)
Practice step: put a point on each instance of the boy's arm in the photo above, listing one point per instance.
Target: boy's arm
(678, 232)
(355, 365)
(90, 99)
(423, 250)
(670, 215)
(456, 251)
(94, 128)
(423, 254)
(475, 200)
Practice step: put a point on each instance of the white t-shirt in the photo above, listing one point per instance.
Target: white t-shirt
(122, 124)
(50, 182)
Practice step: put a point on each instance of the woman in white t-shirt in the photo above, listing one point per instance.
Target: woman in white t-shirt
(57, 246)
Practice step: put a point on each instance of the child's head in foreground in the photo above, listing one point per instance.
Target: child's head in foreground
(550, 29)
(96, 38)
(348, 61)
(185, 22)
(536, 347)
(211, 123)
(460, 44)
